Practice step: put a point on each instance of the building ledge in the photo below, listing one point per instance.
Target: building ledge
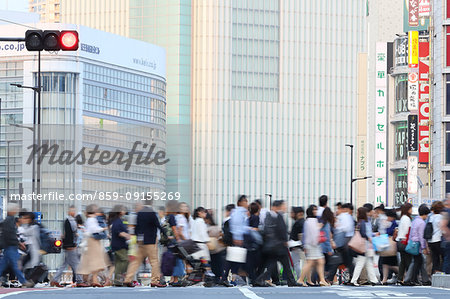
(445, 168)
(399, 70)
(403, 116)
(402, 165)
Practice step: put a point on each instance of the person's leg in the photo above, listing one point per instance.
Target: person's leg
(295, 255)
(360, 262)
(405, 261)
(134, 265)
(415, 268)
(12, 257)
(321, 270)
(371, 270)
(306, 270)
(61, 269)
(436, 253)
(287, 269)
(152, 253)
(267, 270)
(121, 264)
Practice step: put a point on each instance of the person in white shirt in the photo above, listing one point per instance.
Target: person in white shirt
(323, 203)
(200, 232)
(435, 242)
(183, 219)
(403, 231)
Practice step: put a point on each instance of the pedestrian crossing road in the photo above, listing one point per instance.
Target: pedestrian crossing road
(334, 292)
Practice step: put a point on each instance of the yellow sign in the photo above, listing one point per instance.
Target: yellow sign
(413, 49)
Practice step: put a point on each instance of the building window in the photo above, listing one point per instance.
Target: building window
(447, 94)
(447, 42)
(401, 93)
(401, 141)
(400, 187)
(447, 143)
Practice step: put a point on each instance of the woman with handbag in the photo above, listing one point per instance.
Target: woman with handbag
(363, 259)
(94, 258)
(313, 250)
(388, 258)
(328, 221)
(417, 241)
(402, 240)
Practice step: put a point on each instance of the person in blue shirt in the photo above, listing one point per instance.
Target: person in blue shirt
(119, 246)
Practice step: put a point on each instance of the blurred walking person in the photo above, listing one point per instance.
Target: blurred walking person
(363, 260)
(275, 246)
(119, 246)
(402, 238)
(434, 243)
(313, 250)
(71, 256)
(147, 225)
(297, 253)
(11, 245)
(93, 258)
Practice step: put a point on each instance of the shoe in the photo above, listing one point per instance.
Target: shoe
(55, 284)
(226, 283)
(28, 284)
(374, 284)
(129, 284)
(311, 284)
(355, 284)
(97, 285)
(117, 284)
(294, 284)
(302, 284)
(324, 284)
(82, 285)
(158, 285)
(427, 283)
(259, 284)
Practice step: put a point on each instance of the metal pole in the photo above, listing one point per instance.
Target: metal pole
(38, 191)
(351, 175)
(33, 182)
(7, 170)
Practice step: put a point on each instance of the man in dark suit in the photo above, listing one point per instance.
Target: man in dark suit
(147, 225)
(275, 246)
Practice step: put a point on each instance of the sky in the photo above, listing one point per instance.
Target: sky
(19, 5)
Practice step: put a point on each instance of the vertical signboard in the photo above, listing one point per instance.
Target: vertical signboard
(424, 8)
(401, 51)
(412, 132)
(413, 49)
(414, 15)
(413, 90)
(381, 123)
(413, 11)
(412, 174)
(424, 101)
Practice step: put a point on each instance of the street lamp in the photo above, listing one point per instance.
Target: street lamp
(33, 170)
(37, 90)
(352, 180)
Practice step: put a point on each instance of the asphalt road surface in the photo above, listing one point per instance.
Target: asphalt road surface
(333, 292)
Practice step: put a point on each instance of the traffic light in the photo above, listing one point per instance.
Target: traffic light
(56, 248)
(51, 40)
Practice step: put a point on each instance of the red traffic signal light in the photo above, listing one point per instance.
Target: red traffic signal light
(69, 40)
(51, 40)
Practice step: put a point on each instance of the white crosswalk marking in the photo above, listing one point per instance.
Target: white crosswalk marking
(249, 294)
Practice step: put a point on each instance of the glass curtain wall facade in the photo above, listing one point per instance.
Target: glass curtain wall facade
(168, 24)
(286, 139)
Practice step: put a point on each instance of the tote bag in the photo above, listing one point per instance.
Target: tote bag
(357, 243)
(413, 248)
(391, 250)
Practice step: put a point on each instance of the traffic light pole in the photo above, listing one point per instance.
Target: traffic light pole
(38, 170)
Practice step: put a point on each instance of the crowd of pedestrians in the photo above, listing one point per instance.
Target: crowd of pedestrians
(252, 246)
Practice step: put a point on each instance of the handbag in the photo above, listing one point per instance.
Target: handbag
(413, 247)
(236, 254)
(380, 242)
(212, 244)
(357, 243)
(322, 237)
(391, 250)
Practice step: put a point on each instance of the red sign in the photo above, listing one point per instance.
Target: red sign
(413, 9)
(424, 103)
